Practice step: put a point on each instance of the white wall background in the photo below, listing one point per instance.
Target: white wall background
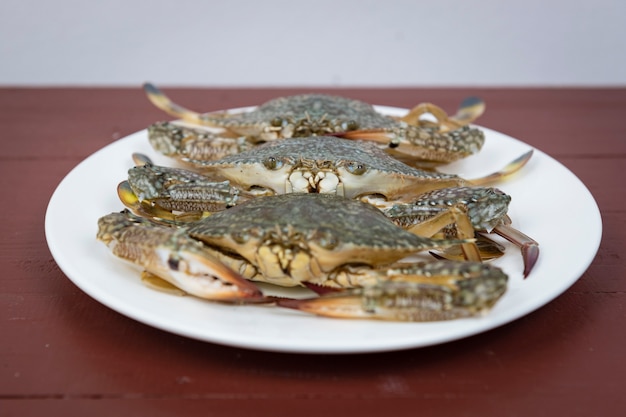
(313, 43)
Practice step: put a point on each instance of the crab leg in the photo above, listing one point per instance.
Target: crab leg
(173, 256)
(509, 169)
(504, 173)
(484, 208)
(470, 109)
(454, 215)
(529, 247)
(163, 102)
(441, 290)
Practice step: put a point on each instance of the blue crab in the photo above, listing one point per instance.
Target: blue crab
(409, 138)
(311, 239)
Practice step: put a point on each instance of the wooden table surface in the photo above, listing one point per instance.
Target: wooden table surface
(63, 353)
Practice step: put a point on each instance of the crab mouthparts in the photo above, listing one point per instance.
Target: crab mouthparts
(323, 182)
(286, 265)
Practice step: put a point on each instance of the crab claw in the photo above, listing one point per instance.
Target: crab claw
(171, 255)
(204, 276)
(423, 142)
(414, 143)
(158, 192)
(142, 208)
(441, 290)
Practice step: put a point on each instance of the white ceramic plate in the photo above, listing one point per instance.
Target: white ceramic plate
(539, 194)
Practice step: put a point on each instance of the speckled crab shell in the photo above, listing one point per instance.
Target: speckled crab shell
(308, 234)
(348, 168)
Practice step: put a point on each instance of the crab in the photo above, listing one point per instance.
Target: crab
(308, 239)
(409, 138)
(357, 170)
(310, 165)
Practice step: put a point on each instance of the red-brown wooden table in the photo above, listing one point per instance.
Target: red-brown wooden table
(63, 353)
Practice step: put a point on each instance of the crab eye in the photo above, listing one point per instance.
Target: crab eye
(276, 122)
(326, 239)
(173, 263)
(241, 237)
(356, 168)
(349, 125)
(273, 163)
